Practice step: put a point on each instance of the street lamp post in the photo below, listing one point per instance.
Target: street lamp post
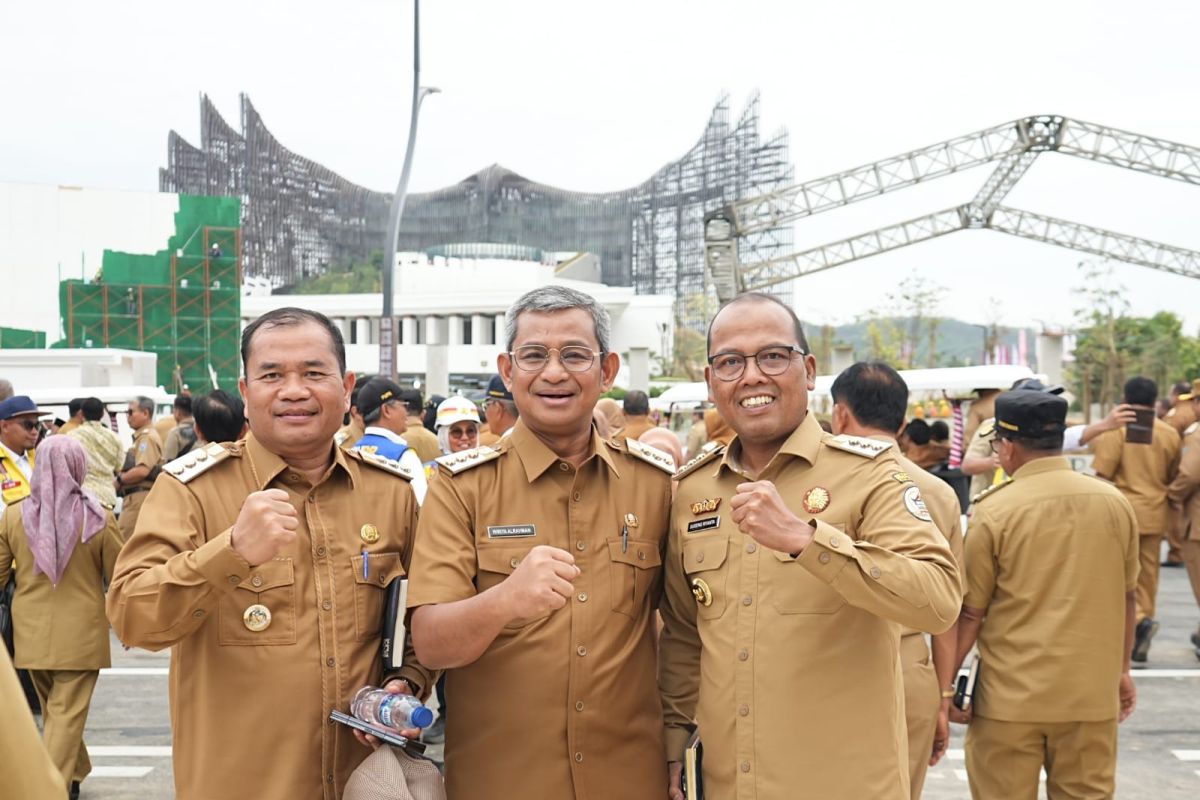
(387, 323)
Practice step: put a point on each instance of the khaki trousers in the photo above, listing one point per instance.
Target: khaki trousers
(1150, 547)
(922, 700)
(1191, 559)
(1005, 759)
(66, 696)
(130, 507)
(1175, 540)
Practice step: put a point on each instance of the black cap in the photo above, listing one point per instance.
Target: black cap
(1030, 415)
(496, 389)
(1034, 385)
(375, 392)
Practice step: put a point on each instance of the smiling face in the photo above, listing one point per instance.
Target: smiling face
(20, 433)
(295, 395)
(463, 435)
(553, 401)
(762, 409)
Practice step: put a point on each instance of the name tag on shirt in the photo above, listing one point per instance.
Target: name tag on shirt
(706, 524)
(511, 531)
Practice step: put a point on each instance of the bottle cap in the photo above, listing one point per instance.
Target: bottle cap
(422, 717)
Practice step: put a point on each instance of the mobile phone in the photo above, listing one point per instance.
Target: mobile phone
(1141, 430)
(382, 734)
(964, 688)
(692, 781)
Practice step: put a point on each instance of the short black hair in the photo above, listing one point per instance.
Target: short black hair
(917, 431)
(412, 400)
(183, 402)
(1183, 387)
(1141, 391)
(939, 431)
(219, 416)
(636, 403)
(760, 297)
(92, 408)
(74, 406)
(1050, 443)
(290, 315)
(874, 393)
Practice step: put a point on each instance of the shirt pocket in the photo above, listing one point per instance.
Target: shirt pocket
(704, 568)
(794, 590)
(496, 563)
(369, 591)
(272, 585)
(634, 571)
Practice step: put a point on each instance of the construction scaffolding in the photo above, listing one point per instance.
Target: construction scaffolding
(182, 303)
(300, 218)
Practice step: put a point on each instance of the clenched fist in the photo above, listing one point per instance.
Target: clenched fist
(541, 582)
(266, 524)
(761, 514)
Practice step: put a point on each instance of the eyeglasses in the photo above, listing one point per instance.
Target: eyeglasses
(535, 357)
(460, 433)
(995, 444)
(773, 360)
(28, 424)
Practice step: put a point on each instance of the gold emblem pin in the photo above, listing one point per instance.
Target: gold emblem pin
(816, 500)
(706, 506)
(369, 533)
(902, 477)
(257, 618)
(631, 520)
(701, 592)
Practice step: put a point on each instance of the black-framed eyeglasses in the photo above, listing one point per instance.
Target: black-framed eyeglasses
(773, 360)
(535, 357)
(28, 424)
(995, 444)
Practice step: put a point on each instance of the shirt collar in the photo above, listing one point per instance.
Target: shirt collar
(536, 457)
(267, 465)
(391, 436)
(13, 454)
(1041, 465)
(804, 442)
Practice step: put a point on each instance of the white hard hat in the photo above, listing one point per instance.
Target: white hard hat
(456, 409)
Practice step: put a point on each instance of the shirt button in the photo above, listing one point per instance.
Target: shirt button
(576, 497)
(745, 766)
(293, 477)
(641, 555)
(743, 655)
(580, 545)
(581, 650)
(256, 580)
(513, 562)
(823, 558)
(564, 466)
(383, 578)
(327, 605)
(744, 710)
(700, 556)
(234, 579)
(750, 548)
(579, 706)
(321, 552)
(198, 613)
(579, 758)
(329, 778)
(583, 597)
(312, 498)
(747, 600)
(329, 662)
(875, 573)
(833, 541)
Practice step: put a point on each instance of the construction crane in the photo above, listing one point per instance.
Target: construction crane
(1013, 147)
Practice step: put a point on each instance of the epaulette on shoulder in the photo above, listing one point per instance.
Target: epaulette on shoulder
(986, 427)
(385, 464)
(868, 448)
(651, 455)
(1190, 429)
(455, 463)
(705, 455)
(189, 465)
(991, 490)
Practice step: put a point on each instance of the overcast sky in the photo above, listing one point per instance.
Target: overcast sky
(597, 96)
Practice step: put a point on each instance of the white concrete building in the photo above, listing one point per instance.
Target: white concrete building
(461, 303)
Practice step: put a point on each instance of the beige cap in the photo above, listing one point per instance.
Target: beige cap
(392, 774)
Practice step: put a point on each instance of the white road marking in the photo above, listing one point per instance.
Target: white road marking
(955, 754)
(135, 671)
(120, 772)
(1187, 755)
(133, 751)
(1165, 673)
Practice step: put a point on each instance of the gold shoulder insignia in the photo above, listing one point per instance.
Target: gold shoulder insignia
(869, 448)
(991, 490)
(191, 464)
(1190, 429)
(455, 463)
(385, 464)
(340, 437)
(651, 455)
(700, 459)
(986, 427)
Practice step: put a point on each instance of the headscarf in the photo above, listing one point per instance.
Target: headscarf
(452, 410)
(718, 429)
(612, 412)
(58, 507)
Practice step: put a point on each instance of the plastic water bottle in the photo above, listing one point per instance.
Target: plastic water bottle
(381, 707)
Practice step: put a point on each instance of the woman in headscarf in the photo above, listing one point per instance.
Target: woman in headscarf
(62, 545)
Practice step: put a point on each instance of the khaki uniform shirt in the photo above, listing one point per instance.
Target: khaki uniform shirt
(59, 627)
(348, 435)
(105, 456)
(1184, 491)
(980, 446)
(697, 436)
(791, 666)
(636, 426)
(1141, 471)
(26, 766)
(163, 426)
(563, 705)
(1181, 416)
(422, 440)
(1050, 557)
(146, 451)
(980, 410)
(250, 708)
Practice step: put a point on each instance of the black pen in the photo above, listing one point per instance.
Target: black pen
(624, 538)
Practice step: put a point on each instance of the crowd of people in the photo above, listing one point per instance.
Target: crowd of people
(599, 597)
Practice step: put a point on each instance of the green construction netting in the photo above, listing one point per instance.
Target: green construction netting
(22, 339)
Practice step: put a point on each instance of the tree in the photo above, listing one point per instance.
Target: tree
(361, 278)
(896, 331)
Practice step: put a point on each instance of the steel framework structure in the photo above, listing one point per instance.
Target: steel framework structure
(1013, 146)
(299, 218)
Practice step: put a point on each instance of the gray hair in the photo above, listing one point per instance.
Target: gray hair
(144, 403)
(558, 298)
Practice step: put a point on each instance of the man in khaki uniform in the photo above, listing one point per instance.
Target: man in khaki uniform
(870, 400)
(793, 559)
(1142, 473)
(419, 438)
(981, 409)
(144, 456)
(499, 410)
(1051, 566)
(636, 406)
(537, 568)
(1184, 496)
(264, 565)
(1181, 417)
